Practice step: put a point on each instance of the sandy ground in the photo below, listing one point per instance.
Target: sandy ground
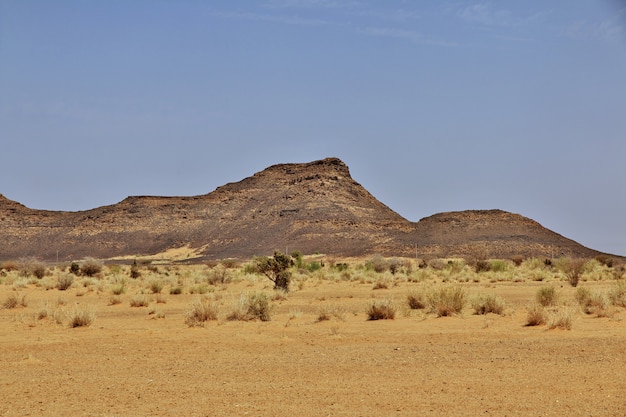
(131, 363)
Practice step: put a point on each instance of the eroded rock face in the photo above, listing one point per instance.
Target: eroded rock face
(312, 207)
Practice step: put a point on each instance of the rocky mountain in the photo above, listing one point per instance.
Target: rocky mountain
(311, 207)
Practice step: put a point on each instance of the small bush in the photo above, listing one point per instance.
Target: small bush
(176, 290)
(488, 304)
(156, 286)
(80, 318)
(65, 281)
(259, 306)
(547, 296)
(482, 266)
(114, 300)
(617, 294)
(90, 267)
(219, 275)
(75, 268)
(135, 272)
(573, 269)
(562, 319)
(499, 265)
(447, 301)
(380, 285)
(394, 265)
(381, 310)
(517, 260)
(251, 307)
(323, 314)
(119, 288)
(14, 301)
(536, 315)
(377, 263)
(592, 302)
(202, 311)
(139, 301)
(416, 300)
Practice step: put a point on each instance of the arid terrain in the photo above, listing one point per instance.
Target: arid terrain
(141, 347)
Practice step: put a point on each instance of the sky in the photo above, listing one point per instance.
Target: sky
(435, 106)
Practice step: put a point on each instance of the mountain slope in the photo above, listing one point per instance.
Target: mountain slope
(312, 207)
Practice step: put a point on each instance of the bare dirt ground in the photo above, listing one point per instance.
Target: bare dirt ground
(145, 361)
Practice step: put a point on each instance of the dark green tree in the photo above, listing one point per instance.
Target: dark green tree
(276, 269)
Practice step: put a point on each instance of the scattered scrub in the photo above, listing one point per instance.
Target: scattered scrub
(14, 301)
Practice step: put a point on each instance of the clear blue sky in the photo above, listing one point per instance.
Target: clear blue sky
(434, 105)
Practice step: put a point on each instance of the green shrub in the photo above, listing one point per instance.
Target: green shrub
(313, 266)
(547, 296)
(176, 290)
(617, 294)
(259, 307)
(488, 304)
(499, 265)
(156, 286)
(276, 269)
(447, 300)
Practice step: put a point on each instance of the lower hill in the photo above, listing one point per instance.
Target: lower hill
(311, 207)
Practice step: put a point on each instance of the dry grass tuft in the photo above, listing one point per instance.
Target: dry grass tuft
(547, 296)
(65, 281)
(486, 304)
(561, 319)
(201, 311)
(447, 300)
(381, 310)
(80, 317)
(416, 300)
(139, 300)
(14, 301)
(536, 315)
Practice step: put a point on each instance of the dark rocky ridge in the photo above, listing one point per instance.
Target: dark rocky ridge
(312, 207)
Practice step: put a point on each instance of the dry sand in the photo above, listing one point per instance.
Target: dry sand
(131, 363)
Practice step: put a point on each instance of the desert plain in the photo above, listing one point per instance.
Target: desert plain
(111, 345)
